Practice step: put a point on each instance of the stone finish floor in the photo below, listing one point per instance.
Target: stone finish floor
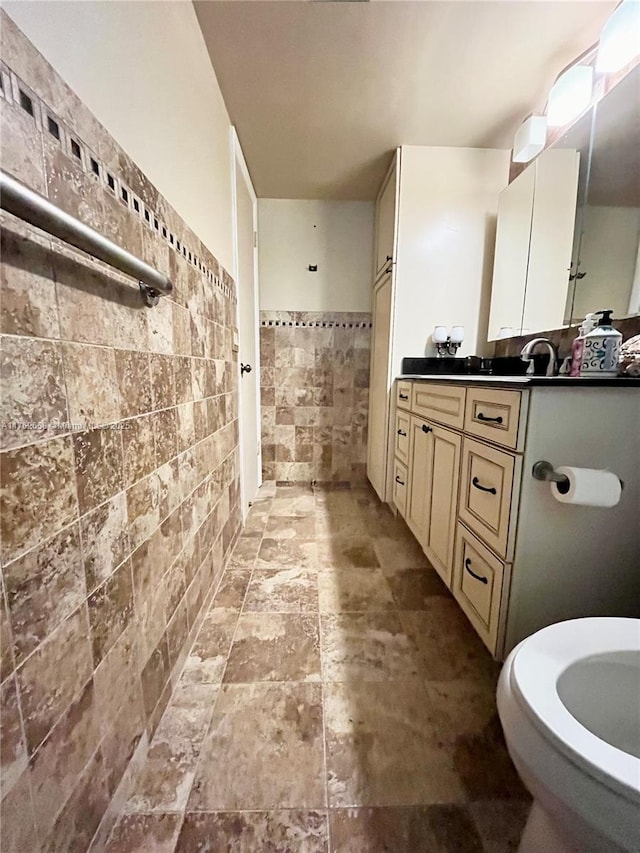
(336, 699)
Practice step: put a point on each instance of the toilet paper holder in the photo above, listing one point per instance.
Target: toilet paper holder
(545, 471)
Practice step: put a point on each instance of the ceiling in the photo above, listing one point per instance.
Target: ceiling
(321, 93)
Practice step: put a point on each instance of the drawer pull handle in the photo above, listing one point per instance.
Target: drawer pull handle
(426, 428)
(402, 433)
(399, 481)
(482, 417)
(475, 482)
(403, 396)
(467, 565)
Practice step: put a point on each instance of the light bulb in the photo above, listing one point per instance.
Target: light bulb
(457, 334)
(620, 37)
(530, 139)
(440, 334)
(570, 95)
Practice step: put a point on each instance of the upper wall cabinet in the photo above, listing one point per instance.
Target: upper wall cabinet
(536, 215)
(385, 224)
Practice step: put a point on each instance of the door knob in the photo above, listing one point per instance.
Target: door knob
(245, 368)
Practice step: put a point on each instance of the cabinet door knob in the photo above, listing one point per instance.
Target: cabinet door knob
(399, 481)
(426, 428)
(401, 432)
(467, 565)
(389, 257)
(475, 482)
(482, 417)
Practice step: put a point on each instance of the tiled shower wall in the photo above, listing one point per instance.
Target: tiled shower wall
(119, 465)
(314, 382)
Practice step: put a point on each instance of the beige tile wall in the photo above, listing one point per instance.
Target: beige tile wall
(314, 382)
(119, 464)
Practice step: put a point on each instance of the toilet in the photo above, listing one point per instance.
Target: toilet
(569, 703)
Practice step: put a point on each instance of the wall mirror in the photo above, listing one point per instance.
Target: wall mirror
(568, 232)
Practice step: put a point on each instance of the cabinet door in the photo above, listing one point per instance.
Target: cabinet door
(379, 390)
(385, 223)
(433, 491)
(515, 210)
(552, 225)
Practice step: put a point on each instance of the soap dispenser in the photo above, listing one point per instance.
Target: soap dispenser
(589, 323)
(601, 348)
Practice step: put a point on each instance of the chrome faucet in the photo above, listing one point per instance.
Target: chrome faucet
(527, 354)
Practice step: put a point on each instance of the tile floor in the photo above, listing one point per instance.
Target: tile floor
(336, 699)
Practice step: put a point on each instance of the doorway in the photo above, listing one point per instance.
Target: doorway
(245, 228)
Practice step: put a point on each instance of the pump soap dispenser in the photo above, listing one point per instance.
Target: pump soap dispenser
(601, 348)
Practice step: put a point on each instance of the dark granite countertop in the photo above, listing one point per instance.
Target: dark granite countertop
(529, 381)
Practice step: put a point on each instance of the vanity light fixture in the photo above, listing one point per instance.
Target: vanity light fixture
(570, 95)
(620, 37)
(447, 343)
(530, 139)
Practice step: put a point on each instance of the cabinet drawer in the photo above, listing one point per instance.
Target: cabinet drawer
(403, 395)
(400, 475)
(486, 495)
(403, 424)
(480, 585)
(441, 403)
(494, 414)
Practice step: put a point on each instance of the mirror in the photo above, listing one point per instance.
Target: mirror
(568, 231)
(608, 274)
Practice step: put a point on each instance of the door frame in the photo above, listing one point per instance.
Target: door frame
(239, 169)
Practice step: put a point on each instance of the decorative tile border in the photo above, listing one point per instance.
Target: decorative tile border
(16, 93)
(317, 319)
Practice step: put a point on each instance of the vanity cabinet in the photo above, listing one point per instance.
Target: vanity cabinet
(434, 240)
(514, 558)
(434, 460)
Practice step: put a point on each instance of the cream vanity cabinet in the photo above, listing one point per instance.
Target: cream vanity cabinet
(513, 557)
(433, 236)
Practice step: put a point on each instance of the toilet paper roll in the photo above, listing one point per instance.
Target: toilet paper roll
(587, 487)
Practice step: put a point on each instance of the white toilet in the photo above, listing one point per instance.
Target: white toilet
(569, 702)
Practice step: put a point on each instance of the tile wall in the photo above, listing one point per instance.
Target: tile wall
(562, 338)
(314, 383)
(119, 464)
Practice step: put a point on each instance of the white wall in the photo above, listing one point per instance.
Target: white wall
(144, 71)
(335, 235)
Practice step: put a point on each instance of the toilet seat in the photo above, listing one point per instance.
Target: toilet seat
(536, 666)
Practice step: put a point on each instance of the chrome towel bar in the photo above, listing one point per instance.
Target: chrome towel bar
(33, 208)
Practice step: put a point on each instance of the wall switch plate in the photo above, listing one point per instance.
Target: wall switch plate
(235, 340)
